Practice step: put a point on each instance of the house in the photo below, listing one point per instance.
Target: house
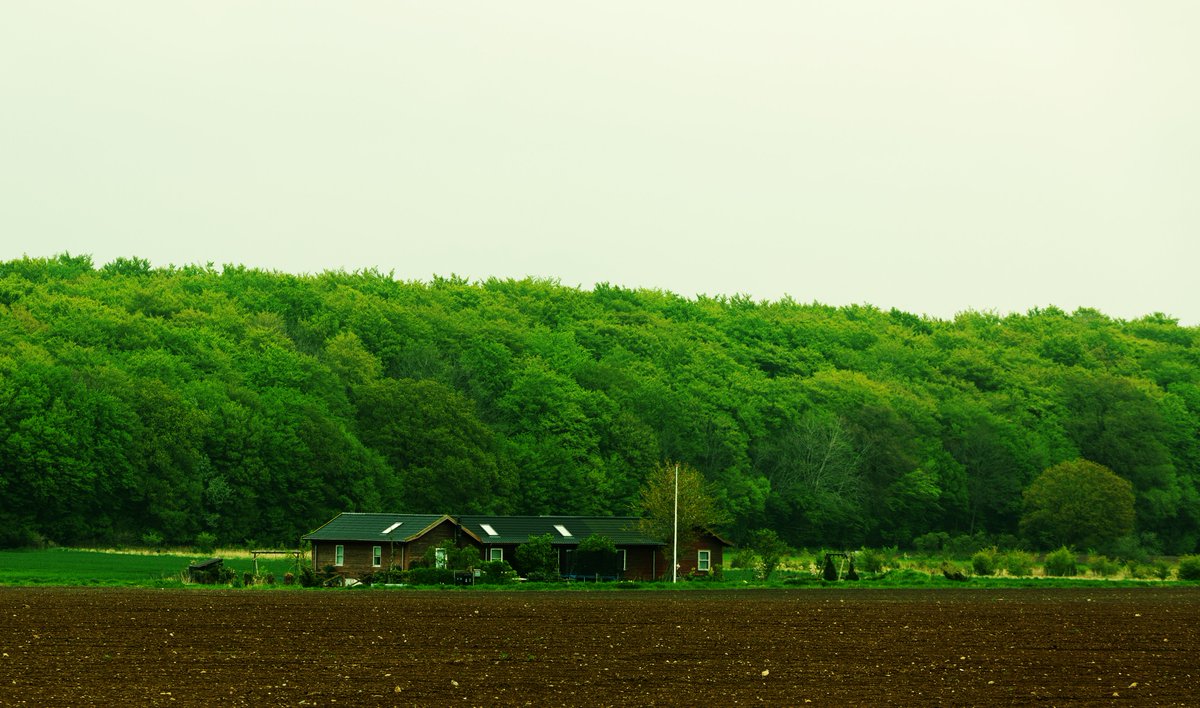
(354, 544)
(500, 535)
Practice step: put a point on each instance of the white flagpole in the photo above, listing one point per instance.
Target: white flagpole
(675, 532)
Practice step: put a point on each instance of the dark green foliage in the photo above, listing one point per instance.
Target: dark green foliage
(255, 405)
(496, 573)
(537, 556)
(1018, 563)
(830, 571)
(1061, 563)
(455, 558)
(596, 556)
(205, 542)
(1189, 568)
(429, 576)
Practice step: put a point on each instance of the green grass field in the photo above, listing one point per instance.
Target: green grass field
(62, 566)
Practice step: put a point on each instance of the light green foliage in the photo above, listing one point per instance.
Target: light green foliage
(769, 548)
(984, 562)
(1017, 563)
(1103, 566)
(1078, 502)
(255, 405)
(696, 508)
(1061, 563)
(465, 558)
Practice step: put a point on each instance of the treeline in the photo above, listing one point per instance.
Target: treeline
(255, 405)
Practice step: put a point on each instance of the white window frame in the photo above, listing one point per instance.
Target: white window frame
(440, 557)
(376, 556)
(495, 554)
(703, 561)
(339, 555)
(624, 559)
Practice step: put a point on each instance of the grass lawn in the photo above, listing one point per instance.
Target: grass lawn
(64, 566)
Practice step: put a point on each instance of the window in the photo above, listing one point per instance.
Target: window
(376, 556)
(703, 561)
(496, 554)
(393, 527)
(562, 530)
(621, 552)
(339, 554)
(487, 528)
(439, 557)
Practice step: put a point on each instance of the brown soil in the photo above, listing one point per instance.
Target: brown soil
(157, 647)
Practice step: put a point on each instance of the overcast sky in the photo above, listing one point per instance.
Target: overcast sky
(929, 156)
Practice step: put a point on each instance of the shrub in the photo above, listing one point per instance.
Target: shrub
(744, 559)
(308, 578)
(1161, 570)
(455, 558)
(496, 573)
(1018, 563)
(596, 556)
(871, 560)
(931, 542)
(430, 576)
(152, 539)
(1061, 563)
(984, 562)
(289, 579)
(205, 542)
(537, 555)
(1137, 547)
(543, 577)
(963, 546)
(1189, 568)
(1104, 567)
(767, 545)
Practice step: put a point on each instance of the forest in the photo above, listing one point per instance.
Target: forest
(254, 405)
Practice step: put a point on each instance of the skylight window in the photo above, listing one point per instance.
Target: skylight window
(488, 528)
(393, 527)
(562, 529)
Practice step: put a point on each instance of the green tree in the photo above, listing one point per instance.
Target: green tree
(1078, 503)
(770, 549)
(537, 557)
(696, 508)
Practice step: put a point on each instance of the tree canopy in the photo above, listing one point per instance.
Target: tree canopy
(254, 405)
(1078, 503)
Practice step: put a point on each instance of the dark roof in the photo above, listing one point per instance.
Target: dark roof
(371, 527)
(623, 530)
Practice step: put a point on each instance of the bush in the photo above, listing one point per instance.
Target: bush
(770, 549)
(871, 560)
(1017, 563)
(964, 545)
(289, 579)
(537, 555)
(430, 576)
(496, 573)
(543, 577)
(205, 542)
(1061, 563)
(152, 539)
(456, 558)
(931, 542)
(984, 562)
(1104, 567)
(1137, 547)
(1189, 568)
(1161, 570)
(308, 578)
(19, 536)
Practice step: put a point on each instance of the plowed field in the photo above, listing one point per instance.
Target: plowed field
(373, 647)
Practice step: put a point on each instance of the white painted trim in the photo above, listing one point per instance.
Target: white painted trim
(704, 557)
(339, 555)
(492, 554)
(624, 559)
(376, 556)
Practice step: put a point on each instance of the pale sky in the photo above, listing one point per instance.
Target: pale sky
(930, 156)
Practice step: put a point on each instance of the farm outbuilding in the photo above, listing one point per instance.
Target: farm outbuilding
(354, 544)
